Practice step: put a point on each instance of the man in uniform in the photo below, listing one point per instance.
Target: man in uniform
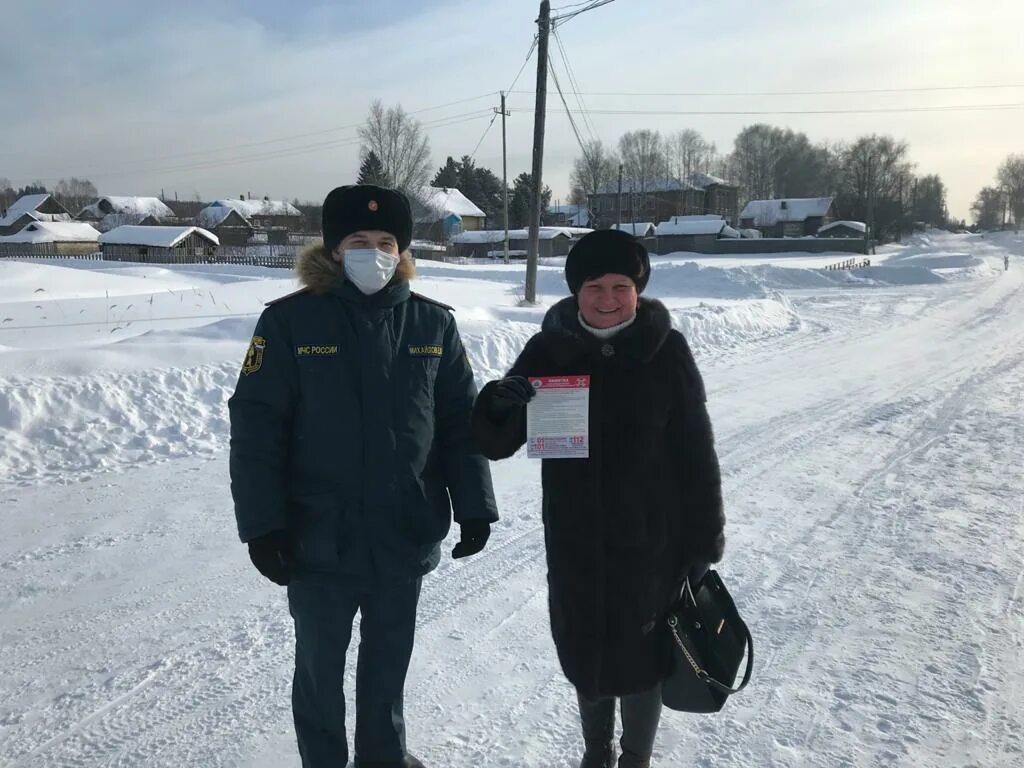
(350, 448)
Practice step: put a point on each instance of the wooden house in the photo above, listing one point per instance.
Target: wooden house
(159, 245)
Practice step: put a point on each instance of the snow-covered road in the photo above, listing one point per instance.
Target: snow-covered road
(873, 466)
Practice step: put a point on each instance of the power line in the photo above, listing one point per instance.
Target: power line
(949, 108)
(555, 20)
(572, 5)
(596, 4)
(293, 151)
(482, 137)
(568, 112)
(587, 122)
(279, 139)
(659, 94)
(529, 53)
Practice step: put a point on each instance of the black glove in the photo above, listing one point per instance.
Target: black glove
(474, 536)
(272, 556)
(509, 394)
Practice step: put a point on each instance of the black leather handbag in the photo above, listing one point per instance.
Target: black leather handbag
(708, 643)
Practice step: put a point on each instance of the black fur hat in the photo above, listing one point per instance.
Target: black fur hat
(356, 207)
(607, 251)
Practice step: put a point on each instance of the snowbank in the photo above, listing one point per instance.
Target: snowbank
(99, 383)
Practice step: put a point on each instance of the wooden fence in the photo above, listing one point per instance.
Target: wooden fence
(849, 264)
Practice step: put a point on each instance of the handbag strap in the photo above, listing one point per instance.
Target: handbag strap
(702, 674)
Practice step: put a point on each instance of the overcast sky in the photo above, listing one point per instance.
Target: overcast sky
(262, 97)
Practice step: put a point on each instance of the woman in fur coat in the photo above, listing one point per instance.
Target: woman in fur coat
(626, 525)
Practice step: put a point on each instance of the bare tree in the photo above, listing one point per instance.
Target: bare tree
(1011, 179)
(878, 178)
(757, 151)
(592, 172)
(7, 195)
(400, 144)
(688, 153)
(74, 194)
(928, 201)
(644, 163)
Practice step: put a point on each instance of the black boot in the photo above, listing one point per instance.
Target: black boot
(630, 760)
(598, 755)
(597, 717)
(409, 761)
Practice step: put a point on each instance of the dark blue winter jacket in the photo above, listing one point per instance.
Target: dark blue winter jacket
(350, 427)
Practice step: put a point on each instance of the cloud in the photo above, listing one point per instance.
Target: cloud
(140, 96)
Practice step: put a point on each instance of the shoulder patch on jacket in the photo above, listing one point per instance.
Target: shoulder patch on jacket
(254, 356)
(279, 299)
(429, 300)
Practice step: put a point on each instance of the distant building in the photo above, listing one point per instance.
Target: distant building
(265, 214)
(693, 233)
(639, 229)
(661, 199)
(843, 229)
(792, 217)
(40, 239)
(113, 211)
(29, 208)
(443, 212)
(567, 216)
(230, 227)
(159, 245)
(490, 243)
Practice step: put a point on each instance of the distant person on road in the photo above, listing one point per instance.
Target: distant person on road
(1006, 262)
(625, 526)
(350, 448)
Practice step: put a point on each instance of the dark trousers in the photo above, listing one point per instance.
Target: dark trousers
(641, 714)
(323, 610)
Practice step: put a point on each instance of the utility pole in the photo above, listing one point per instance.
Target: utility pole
(504, 169)
(871, 207)
(544, 28)
(618, 201)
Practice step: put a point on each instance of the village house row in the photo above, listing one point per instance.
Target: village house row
(699, 215)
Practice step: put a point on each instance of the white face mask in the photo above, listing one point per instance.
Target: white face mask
(369, 269)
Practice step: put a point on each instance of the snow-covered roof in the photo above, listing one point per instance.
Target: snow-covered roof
(155, 237)
(21, 206)
(214, 215)
(54, 232)
(691, 225)
(705, 180)
(426, 245)
(577, 215)
(859, 226)
(442, 202)
(250, 208)
(636, 228)
(498, 235)
(767, 213)
(651, 185)
(119, 204)
(693, 181)
(115, 220)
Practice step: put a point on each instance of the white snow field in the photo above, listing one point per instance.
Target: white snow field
(871, 437)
